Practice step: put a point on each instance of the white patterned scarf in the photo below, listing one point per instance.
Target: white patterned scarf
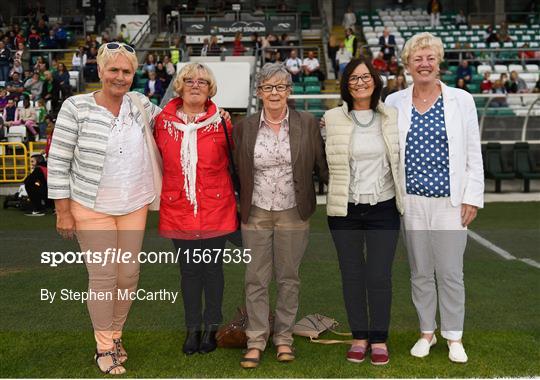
(189, 156)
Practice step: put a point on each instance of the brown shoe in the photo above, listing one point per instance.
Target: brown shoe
(121, 353)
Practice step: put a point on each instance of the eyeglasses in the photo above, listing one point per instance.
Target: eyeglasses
(278, 87)
(118, 45)
(200, 82)
(366, 78)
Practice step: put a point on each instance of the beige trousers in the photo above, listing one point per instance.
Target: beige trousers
(97, 232)
(277, 240)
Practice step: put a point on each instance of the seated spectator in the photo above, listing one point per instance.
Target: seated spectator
(10, 115)
(503, 33)
(42, 29)
(15, 87)
(312, 66)
(393, 66)
(49, 41)
(23, 55)
(401, 82)
(90, 69)
(294, 65)
(27, 117)
(168, 65)
(40, 61)
(516, 84)
(343, 57)
(41, 114)
(3, 99)
(36, 185)
(204, 48)
(162, 76)
(460, 83)
(526, 54)
(48, 83)
(5, 59)
(461, 19)
(34, 39)
(16, 68)
(491, 35)
(60, 35)
(153, 88)
(379, 63)
(19, 38)
(388, 44)
(486, 84)
(214, 50)
(391, 87)
(238, 48)
(464, 71)
(504, 81)
(34, 86)
(61, 77)
(79, 59)
(149, 65)
(498, 88)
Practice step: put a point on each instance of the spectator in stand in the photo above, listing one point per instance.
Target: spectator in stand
(379, 63)
(23, 55)
(36, 185)
(214, 50)
(401, 82)
(343, 57)
(39, 62)
(153, 88)
(461, 19)
(162, 76)
(516, 84)
(312, 67)
(149, 65)
(238, 48)
(10, 115)
(5, 59)
(90, 69)
(61, 36)
(79, 59)
(257, 43)
(294, 65)
(34, 39)
(27, 117)
(526, 54)
(49, 41)
(42, 29)
(284, 41)
(124, 35)
(333, 47)
(393, 66)
(350, 41)
(503, 33)
(491, 35)
(388, 44)
(16, 68)
(62, 78)
(486, 84)
(53, 68)
(434, 9)
(19, 38)
(504, 81)
(48, 84)
(3, 99)
(498, 88)
(349, 19)
(15, 87)
(464, 71)
(204, 48)
(41, 113)
(391, 87)
(34, 86)
(460, 83)
(168, 66)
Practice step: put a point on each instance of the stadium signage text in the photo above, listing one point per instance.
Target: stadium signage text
(233, 27)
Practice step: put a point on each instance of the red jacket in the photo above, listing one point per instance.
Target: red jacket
(216, 214)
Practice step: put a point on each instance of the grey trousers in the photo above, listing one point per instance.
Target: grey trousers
(277, 240)
(436, 241)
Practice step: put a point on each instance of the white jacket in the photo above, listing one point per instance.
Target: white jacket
(461, 120)
(339, 129)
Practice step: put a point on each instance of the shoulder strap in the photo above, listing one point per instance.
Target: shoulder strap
(135, 99)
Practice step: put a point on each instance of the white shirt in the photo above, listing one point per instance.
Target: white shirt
(294, 65)
(125, 190)
(76, 60)
(311, 64)
(343, 56)
(349, 20)
(152, 86)
(371, 175)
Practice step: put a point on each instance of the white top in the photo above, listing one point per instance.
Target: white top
(349, 20)
(76, 60)
(126, 183)
(293, 65)
(152, 85)
(371, 175)
(343, 56)
(311, 63)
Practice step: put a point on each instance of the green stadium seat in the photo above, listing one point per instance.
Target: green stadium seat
(494, 165)
(311, 80)
(297, 89)
(448, 78)
(477, 78)
(140, 90)
(523, 165)
(480, 102)
(313, 89)
(505, 112)
(474, 88)
(453, 69)
(155, 101)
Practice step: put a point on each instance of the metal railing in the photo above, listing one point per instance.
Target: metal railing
(495, 18)
(299, 48)
(144, 31)
(14, 163)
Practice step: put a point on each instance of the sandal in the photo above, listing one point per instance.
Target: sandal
(287, 356)
(116, 363)
(121, 353)
(249, 363)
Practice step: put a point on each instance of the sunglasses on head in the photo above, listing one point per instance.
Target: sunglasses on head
(116, 45)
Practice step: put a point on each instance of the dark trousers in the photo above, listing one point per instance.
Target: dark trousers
(36, 187)
(200, 277)
(367, 277)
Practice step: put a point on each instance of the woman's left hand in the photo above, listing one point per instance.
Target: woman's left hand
(468, 214)
(224, 114)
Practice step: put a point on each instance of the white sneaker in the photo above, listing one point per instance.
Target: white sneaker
(422, 346)
(456, 352)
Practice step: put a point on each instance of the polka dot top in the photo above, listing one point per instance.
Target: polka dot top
(426, 153)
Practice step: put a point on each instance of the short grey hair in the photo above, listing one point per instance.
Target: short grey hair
(271, 70)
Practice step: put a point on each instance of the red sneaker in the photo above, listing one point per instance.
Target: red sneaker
(356, 354)
(379, 356)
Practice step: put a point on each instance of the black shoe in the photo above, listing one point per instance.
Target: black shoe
(208, 341)
(192, 342)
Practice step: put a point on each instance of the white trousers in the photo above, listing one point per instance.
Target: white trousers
(436, 241)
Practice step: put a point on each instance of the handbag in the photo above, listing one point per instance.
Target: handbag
(313, 325)
(155, 157)
(234, 237)
(233, 334)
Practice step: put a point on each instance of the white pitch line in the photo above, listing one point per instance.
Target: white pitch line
(499, 251)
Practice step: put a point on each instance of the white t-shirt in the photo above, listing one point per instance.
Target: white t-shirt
(343, 56)
(311, 64)
(293, 65)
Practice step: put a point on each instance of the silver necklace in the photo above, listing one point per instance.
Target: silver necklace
(361, 124)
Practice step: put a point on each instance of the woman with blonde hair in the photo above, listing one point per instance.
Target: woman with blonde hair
(198, 206)
(443, 188)
(101, 179)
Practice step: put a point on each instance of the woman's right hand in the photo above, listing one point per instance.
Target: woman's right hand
(65, 224)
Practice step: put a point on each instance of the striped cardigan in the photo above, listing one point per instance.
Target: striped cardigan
(79, 145)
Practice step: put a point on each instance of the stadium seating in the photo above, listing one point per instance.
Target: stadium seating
(494, 165)
(523, 165)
